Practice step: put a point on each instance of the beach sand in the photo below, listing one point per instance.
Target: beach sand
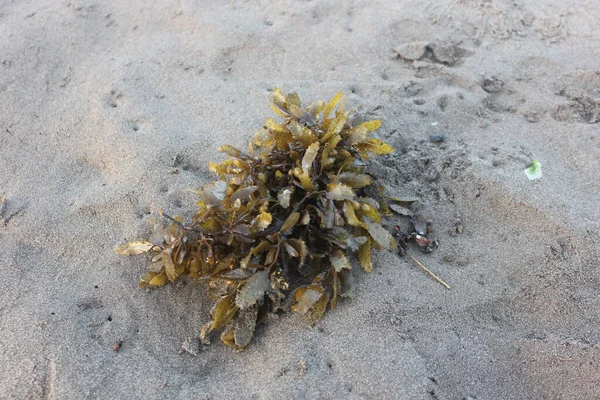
(110, 110)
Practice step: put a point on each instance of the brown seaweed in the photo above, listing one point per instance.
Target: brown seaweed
(274, 232)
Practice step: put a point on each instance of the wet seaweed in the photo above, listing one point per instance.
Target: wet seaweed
(275, 231)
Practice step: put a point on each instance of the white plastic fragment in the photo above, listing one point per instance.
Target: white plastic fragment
(533, 170)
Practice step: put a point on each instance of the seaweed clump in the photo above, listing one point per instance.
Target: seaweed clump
(275, 231)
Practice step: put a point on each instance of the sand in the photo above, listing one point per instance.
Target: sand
(112, 110)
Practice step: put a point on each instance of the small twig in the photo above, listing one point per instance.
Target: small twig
(434, 276)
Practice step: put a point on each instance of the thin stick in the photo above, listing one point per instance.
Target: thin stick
(434, 276)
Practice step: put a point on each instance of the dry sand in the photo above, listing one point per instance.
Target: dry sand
(102, 102)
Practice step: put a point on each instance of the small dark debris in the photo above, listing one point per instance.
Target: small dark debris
(442, 102)
(492, 85)
(419, 102)
(403, 239)
(436, 138)
(479, 190)
(177, 160)
(426, 245)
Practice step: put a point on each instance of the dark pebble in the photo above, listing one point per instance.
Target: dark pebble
(492, 85)
(436, 138)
